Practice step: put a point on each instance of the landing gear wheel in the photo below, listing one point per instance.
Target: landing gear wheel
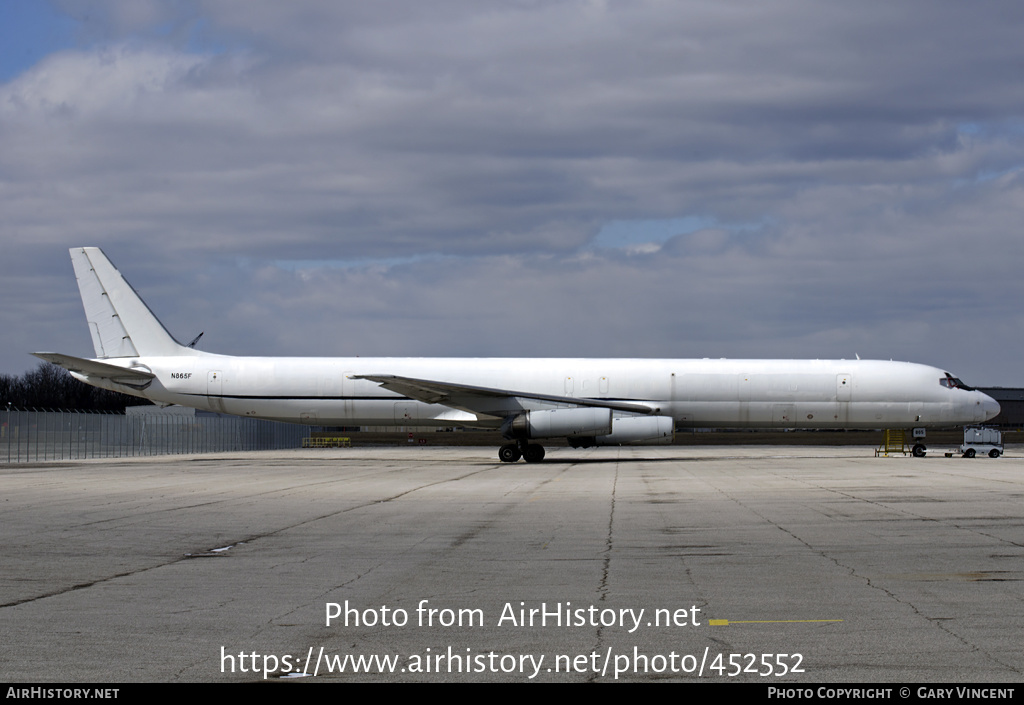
(918, 450)
(509, 453)
(994, 453)
(533, 453)
(969, 453)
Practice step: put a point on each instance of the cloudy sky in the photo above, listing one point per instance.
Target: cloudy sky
(522, 178)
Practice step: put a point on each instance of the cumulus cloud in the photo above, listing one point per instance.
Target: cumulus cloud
(452, 169)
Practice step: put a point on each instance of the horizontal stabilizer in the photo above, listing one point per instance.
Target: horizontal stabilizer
(132, 376)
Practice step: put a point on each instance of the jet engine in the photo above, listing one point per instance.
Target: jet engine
(631, 429)
(552, 423)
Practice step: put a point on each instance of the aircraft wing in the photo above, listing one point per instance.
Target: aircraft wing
(132, 376)
(485, 400)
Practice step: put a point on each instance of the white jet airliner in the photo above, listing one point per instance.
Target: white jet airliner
(587, 401)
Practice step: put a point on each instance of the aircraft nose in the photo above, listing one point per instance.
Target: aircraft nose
(989, 407)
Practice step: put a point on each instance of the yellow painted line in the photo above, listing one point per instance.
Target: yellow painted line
(726, 622)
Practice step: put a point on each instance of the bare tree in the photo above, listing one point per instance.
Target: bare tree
(51, 387)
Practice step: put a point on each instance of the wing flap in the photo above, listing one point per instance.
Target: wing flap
(484, 399)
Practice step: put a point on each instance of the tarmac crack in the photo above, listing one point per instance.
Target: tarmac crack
(248, 539)
(606, 562)
(852, 571)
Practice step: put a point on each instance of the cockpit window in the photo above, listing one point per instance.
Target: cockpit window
(954, 383)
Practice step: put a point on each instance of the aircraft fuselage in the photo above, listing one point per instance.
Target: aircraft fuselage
(694, 393)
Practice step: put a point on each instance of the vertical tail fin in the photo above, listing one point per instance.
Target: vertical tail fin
(120, 323)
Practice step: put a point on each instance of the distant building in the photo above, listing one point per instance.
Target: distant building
(1011, 403)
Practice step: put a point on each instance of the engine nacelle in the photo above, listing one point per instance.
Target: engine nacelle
(631, 429)
(570, 423)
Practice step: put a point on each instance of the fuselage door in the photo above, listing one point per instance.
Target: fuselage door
(844, 387)
(743, 383)
(214, 390)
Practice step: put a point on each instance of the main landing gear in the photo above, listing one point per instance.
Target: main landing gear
(512, 452)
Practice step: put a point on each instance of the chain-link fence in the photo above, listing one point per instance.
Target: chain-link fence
(29, 436)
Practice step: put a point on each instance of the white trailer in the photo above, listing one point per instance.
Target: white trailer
(979, 439)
